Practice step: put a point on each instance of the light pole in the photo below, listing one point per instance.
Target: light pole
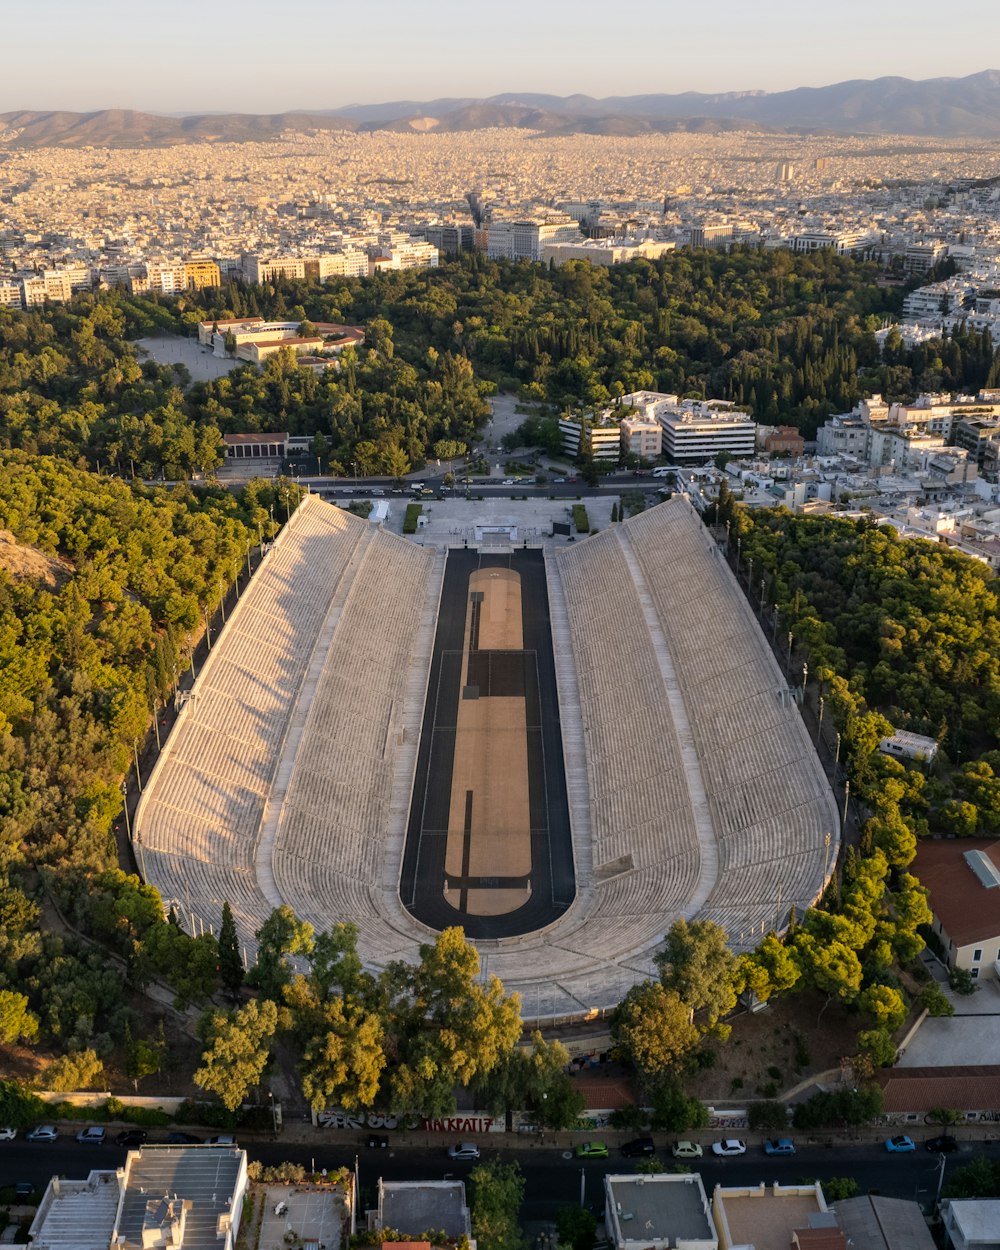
(805, 678)
(788, 662)
(836, 758)
(222, 601)
(124, 789)
(583, 1187)
(739, 544)
(819, 723)
(847, 795)
(135, 756)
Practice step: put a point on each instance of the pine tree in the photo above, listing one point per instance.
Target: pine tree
(230, 964)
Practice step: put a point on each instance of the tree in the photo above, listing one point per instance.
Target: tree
(281, 936)
(767, 1115)
(935, 1001)
(576, 1228)
(878, 1045)
(231, 971)
(884, 1006)
(342, 1062)
(497, 1194)
(837, 1188)
(697, 964)
(978, 1179)
(238, 1048)
(653, 1026)
(673, 1111)
(142, 1058)
(770, 969)
(17, 1023)
(77, 1070)
(444, 1026)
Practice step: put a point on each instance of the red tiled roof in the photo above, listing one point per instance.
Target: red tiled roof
(605, 1092)
(923, 1089)
(968, 911)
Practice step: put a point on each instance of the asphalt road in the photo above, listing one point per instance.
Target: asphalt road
(552, 1179)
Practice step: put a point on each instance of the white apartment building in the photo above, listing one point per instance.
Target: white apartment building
(350, 263)
(641, 436)
(167, 277)
(524, 240)
(269, 268)
(583, 436)
(697, 430)
(605, 252)
(10, 294)
(406, 253)
(50, 284)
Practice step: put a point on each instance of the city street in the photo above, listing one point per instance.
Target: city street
(553, 1180)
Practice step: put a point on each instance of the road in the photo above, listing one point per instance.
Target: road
(552, 1179)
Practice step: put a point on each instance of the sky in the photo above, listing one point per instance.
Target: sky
(174, 56)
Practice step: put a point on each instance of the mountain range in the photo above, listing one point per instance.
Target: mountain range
(935, 107)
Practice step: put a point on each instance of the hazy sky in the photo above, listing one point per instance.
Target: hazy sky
(252, 56)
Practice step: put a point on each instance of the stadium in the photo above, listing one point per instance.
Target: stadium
(563, 748)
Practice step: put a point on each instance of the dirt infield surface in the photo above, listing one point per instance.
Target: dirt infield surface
(488, 842)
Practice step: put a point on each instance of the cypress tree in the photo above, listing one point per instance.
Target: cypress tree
(230, 964)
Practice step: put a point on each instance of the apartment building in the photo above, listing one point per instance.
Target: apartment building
(718, 236)
(11, 295)
(402, 252)
(605, 252)
(524, 240)
(582, 436)
(697, 430)
(350, 263)
(641, 436)
(201, 272)
(271, 268)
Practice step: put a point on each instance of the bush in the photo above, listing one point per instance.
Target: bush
(767, 1115)
(576, 1227)
(961, 981)
(19, 1107)
(206, 1114)
(580, 519)
(628, 1117)
(413, 510)
(935, 1001)
(78, 1070)
(846, 1106)
(837, 1188)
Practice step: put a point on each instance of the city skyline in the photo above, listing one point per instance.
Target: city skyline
(132, 60)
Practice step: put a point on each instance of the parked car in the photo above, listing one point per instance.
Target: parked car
(638, 1148)
(93, 1136)
(558, 481)
(943, 1145)
(591, 1150)
(779, 1146)
(899, 1145)
(729, 1146)
(686, 1150)
(222, 1139)
(24, 1189)
(44, 1132)
(183, 1139)
(377, 1141)
(464, 1150)
(132, 1137)
(8, 1134)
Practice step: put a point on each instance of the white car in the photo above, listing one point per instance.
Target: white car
(8, 1134)
(464, 1150)
(686, 1150)
(729, 1146)
(44, 1132)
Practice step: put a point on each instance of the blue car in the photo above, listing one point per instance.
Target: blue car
(899, 1145)
(783, 1146)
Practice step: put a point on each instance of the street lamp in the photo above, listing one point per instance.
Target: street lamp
(805, 678)
(819, 723)
(847, 795)
(788, 662)
(124, 789)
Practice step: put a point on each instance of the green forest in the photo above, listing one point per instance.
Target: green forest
(106, 580)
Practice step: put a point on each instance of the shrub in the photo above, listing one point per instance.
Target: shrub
(413, 510)
(580, 519)
(935, 1001)
(961, 981)
(767, 1115)
(839, 1187)
(628, 1117)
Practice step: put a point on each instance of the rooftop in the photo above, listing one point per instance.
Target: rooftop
(968, 911)
(77, 1215)
(415, 1206)
(884, 1223)
(766, 1216)
(204, 1178)
(665, 1207)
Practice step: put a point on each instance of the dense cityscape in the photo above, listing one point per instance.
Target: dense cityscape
(499, 690)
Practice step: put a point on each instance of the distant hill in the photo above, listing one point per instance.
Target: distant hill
(936, 107)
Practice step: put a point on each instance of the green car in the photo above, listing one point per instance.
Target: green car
(591, 1150)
